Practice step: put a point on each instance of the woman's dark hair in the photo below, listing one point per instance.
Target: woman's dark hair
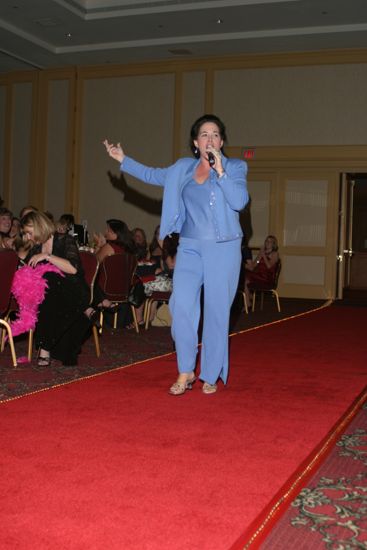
(155, 242)
(141, 249)
(124, 236)
(67, 219)
(6, 212)
(195, 129)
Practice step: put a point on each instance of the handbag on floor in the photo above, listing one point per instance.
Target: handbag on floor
(162, 318)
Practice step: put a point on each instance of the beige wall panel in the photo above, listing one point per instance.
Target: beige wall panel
(193, 101)
(2, 138)
(138, 112)
(259, 209)
(57, 139)
(20, 146)
(305, 215)
(293, 105)
(303, 270)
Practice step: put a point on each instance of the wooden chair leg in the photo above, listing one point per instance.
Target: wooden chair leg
(3, 334)
(245, 306)
(11, 341)
(145, 311)
(136, 324)
(253, 300)
(277, 299)
(101, 320)
(96, 340)
(148, 310)
(30, 345)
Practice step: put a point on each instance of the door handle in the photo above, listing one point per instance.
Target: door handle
(348, 252)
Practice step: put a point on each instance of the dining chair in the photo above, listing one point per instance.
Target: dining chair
(8, 267)
(245, 306)
(115, 278)
(90, 266)
(263, 288)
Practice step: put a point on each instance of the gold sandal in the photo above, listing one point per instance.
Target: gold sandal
(209, 388)
(179, 388)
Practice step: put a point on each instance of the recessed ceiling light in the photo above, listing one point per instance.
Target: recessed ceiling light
(68, 35)
(219, 21)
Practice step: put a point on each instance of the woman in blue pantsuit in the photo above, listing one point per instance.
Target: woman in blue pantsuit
(201, 200)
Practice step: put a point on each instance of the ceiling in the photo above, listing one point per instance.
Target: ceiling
(41, 34)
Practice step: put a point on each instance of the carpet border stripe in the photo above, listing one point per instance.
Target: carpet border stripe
(326, 304)
(257, 531)
(86, 377)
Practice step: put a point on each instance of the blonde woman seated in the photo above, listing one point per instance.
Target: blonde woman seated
(62, 321)
(263, 268)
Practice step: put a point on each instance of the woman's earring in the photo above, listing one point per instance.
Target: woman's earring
(196, 151)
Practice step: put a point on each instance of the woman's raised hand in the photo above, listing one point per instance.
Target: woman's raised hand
(115, 151)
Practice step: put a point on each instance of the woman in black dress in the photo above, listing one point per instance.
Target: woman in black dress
(63, 315)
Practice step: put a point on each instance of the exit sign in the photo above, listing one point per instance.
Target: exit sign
(248, 153)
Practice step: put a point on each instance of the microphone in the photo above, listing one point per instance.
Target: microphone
(211, 159)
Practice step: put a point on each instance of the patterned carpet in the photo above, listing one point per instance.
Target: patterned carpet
(122, 347)
(330, 513)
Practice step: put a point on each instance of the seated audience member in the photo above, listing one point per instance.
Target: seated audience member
(141, 245)
(15, 228)
(117, 239)
(263, 268)
(5, 227)
(76, 230)
(155, 248)
(8, 241)
(62, 321)
(5, 221)
(145, 267)
(62, 227)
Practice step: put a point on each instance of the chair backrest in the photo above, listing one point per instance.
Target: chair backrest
(116, 273)
(90, 267)
(8, 266)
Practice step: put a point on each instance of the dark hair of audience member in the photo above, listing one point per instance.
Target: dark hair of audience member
(124, 236)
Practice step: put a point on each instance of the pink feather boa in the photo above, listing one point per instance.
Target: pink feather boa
(29, 289)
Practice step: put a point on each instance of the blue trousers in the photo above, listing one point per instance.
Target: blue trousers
(216, 266)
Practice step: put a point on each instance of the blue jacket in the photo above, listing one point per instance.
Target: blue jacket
(228, 194)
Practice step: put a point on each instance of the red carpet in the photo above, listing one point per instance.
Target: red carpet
(330, 512)
(114, 462)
